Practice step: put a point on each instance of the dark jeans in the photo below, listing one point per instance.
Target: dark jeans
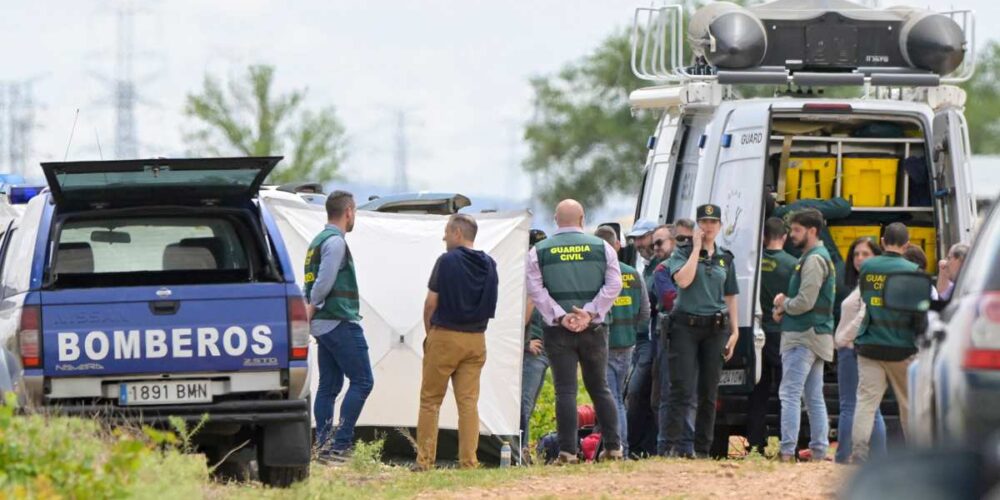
(770, 379)
(696, 359)
(589, 350)
(532, 379)
(640, 417)
(662, 402)
(341, 353)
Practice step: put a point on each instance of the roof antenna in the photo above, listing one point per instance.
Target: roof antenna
(98, 137)
(70, 143)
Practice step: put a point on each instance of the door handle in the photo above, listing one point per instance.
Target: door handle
(164, 307)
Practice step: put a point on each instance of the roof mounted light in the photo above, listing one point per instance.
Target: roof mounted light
(827, 107)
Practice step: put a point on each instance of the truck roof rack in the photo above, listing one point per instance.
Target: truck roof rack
(804, 43)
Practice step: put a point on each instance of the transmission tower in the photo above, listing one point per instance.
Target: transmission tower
(17, 122)
(126, 144)
(401, 183)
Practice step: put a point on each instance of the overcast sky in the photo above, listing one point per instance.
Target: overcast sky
(459, 68)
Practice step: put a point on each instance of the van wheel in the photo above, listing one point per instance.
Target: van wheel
(282, 477)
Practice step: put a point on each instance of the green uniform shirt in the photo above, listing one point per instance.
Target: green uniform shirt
(714, 279)
(573, 267)
(535, 326)
(776, 268)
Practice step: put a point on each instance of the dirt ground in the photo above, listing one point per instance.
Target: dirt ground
(676, 479)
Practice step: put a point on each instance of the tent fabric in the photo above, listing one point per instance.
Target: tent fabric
(394, 255)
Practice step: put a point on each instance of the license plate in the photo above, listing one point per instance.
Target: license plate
(733, 377)
(165, 392)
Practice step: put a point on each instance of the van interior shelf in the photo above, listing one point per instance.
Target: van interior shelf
(853, 140)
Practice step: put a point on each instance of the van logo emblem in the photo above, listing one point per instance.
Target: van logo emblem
(164, 293)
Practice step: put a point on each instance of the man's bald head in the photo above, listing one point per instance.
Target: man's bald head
(569, 213)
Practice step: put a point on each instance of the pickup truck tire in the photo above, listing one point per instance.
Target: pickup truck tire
(282, 477)
(284, 452)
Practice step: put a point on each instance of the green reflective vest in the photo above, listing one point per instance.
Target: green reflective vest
(882, 326)
(820, 317)
(342, 303)
(573, 266)
(625, 312)
(776, 269)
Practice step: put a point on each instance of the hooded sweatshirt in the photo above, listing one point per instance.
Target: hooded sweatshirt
(466, 283)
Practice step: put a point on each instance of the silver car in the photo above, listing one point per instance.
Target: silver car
(954, 385)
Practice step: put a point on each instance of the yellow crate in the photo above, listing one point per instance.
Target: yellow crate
(926, 238)
(843, 236)
(810, 177)
(870, 181)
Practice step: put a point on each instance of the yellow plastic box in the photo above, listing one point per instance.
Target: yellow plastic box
(843, 236)
(870, 181)
(926, 238)
(810, 177)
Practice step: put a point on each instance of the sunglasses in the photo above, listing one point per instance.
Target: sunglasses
(658, 243)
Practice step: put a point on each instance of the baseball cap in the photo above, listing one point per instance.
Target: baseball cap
(641, 227)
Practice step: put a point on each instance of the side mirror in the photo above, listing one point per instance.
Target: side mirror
(909, 292)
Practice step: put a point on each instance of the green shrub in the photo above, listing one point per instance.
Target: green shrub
(543, 420)
(53, 457)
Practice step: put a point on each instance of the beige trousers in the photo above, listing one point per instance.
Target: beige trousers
(872, 382)
(458, 357)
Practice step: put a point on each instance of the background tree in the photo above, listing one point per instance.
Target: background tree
(246, 117)
(984, 100)
(584, 142)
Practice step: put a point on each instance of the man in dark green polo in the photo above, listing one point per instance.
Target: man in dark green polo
(703, 329)
(629, 320)
(886, 340)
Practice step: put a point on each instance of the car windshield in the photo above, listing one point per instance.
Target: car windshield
(981, 271)
(91, 251)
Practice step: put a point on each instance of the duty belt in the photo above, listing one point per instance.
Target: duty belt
(717, 320)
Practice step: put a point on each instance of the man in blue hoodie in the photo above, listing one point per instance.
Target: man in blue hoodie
(461, 299)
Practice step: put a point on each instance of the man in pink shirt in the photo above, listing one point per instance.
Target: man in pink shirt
(573, 279)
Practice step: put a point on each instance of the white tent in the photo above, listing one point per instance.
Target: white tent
(394, 255)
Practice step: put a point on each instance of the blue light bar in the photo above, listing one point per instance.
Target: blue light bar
(22, 194)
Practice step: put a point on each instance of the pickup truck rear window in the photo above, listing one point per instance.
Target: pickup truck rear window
(164, 250)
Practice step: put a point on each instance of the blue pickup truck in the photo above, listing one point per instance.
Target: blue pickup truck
(139, 290)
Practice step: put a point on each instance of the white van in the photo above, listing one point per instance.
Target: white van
(899, 153)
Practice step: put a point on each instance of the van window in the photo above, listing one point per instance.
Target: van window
(167, 250)
(682, 188)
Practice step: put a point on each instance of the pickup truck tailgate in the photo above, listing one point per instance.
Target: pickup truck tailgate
(175, 329)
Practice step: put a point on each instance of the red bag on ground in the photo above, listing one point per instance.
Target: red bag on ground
(589, 446)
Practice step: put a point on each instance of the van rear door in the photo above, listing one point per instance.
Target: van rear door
(738, 189)
(954, 199)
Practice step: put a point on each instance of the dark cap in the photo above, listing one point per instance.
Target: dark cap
(535, 236)
(709, 211)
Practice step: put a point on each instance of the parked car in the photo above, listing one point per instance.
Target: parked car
(954, 388)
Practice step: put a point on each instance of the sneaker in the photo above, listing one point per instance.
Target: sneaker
(567, 458)
(611, 456)
(334, 457)
(418, 468)
(786, 458)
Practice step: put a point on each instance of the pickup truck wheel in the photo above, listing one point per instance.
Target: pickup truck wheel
(283, 453)
(282, 477)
